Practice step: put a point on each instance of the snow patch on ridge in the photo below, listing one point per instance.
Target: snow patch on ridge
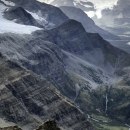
(36, 16)
(12, 27)
(41, 20)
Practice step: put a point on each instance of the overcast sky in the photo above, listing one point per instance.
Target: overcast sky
(99, 5)
(102, 4)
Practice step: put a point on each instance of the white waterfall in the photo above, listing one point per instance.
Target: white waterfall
(106, 104)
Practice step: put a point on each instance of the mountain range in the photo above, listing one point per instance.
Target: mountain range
(77, 10)
(61, 17)
(55, 66)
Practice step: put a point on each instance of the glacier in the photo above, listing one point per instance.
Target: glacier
(7, 26)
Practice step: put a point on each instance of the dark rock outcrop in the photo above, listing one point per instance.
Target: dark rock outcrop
(49, 125)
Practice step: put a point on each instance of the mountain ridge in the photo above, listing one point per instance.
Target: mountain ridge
(78, 15)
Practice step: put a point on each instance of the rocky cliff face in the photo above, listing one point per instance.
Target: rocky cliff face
(72, 37)
(87, 54)
(40, 56)
(94, 58)
(27, 100)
